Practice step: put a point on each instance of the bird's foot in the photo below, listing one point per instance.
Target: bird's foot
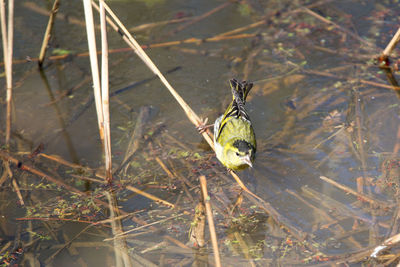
(203, 126)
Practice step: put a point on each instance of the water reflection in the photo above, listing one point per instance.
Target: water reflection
(319, 106)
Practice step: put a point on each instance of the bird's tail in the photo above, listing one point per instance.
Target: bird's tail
(240, 90)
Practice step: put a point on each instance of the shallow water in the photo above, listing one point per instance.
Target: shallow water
(313, 107)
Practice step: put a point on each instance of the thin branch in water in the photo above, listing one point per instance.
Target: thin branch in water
(361, 196)
(150, 25)
(15, 185)
(392, 44)
(47, 34)
(150, 196)
(64, 162)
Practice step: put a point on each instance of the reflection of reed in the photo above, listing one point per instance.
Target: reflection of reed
(60, 118)
(120, 247)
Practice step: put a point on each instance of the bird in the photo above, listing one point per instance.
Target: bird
(234, 138)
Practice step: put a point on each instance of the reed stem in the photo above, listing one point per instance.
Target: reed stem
(7, 36)
(105, 94)
(210, 220)
(392, 44)
(47, 34)
(94, 65)
(10, 39)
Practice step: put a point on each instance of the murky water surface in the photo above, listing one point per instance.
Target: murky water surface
(323, 113)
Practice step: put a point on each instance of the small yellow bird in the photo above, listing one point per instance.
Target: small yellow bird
(234, 139)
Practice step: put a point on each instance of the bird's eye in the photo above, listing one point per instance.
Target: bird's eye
(237, 153)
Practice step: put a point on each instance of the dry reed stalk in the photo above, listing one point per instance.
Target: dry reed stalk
(94, 65)
(165, 168)
(154, 198)
(361, 196)
(150, 25)
(105, 94)
(47, 34)
(198, 41)
(10, 40)
(62, 161)
(392, 44)
(210, 220)
(250, 26)
(7, 37)
(103, 181)
(15, 184)
(45, 12)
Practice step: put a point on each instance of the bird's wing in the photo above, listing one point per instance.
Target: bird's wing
(236, 108)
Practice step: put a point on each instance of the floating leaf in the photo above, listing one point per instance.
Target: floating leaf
(244, 10)
(61, 52)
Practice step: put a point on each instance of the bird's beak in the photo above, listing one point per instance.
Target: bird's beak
(247, 160)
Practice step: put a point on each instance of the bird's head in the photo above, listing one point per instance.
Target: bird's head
(241, 155)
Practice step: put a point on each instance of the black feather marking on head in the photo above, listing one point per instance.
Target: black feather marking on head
(243, 146)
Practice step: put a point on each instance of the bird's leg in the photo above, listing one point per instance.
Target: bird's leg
(203, 126)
